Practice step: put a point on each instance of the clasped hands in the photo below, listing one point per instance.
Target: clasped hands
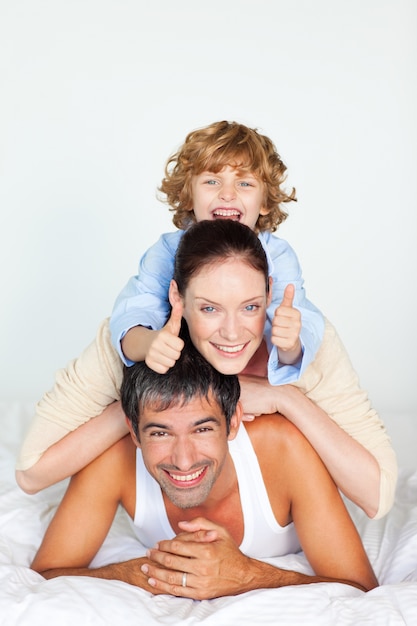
(207, 554)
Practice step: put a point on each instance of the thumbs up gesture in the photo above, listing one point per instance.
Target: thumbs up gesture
(166, 346)
(286, 328)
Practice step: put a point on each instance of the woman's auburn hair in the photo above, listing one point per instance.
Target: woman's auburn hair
(211, 149)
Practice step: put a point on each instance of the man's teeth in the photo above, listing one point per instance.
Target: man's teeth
(184, 479)
(231, 349)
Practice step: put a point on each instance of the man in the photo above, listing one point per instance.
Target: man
(209, 497)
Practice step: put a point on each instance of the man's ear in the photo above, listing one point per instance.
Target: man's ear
(173, 293)
(235, 421)
(132, 433)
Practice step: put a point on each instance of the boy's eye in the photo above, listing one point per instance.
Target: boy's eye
(211, 182)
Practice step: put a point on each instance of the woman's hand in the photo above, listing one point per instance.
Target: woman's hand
(286, 328)
(166, 346)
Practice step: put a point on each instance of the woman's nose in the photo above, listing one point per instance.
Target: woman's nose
(230, 328)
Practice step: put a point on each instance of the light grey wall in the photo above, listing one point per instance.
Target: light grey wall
(95, 94)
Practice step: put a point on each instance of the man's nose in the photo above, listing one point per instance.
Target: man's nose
(183, 456)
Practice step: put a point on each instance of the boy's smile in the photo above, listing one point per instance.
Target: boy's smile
(232, 193)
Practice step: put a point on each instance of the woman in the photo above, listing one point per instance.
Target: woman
(221, 287)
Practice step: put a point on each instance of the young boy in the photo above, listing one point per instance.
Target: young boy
(225, 170)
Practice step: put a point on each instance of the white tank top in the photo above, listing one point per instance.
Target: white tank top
(263, 536)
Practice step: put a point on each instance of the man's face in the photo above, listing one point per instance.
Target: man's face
(185, 449)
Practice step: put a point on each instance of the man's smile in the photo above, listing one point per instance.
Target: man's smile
(187, 479)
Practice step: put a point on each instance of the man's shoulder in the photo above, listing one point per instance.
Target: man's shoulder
(116, 460)
(273, 437)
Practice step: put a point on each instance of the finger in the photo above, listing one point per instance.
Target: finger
(181, 557)
(174, 322)
(169, 581)
(248, 417)
(198, 524)
(288, 297)
(203, 536)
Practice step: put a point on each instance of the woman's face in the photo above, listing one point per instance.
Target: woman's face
(225, 308)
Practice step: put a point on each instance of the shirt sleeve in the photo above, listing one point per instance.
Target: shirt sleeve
(285, 269)
(144, 299)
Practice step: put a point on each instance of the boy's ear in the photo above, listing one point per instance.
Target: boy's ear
(173, 293)
(235, 421)
(264, 211)
(132, 433)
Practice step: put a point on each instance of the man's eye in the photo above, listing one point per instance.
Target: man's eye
(159, 433)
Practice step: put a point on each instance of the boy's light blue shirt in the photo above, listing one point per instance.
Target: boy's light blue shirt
(144, 300)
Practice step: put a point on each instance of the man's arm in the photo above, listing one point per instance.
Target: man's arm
(324, 527)
(215, 566)
(86, 513)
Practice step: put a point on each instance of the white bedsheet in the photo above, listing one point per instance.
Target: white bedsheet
(27, 599)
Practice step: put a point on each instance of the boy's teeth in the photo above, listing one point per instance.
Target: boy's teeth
(226, 212)
(184, 479)
(230, 348)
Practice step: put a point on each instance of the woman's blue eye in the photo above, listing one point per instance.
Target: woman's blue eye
(252, 307)
(208, 309)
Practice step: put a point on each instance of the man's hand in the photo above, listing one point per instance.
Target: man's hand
(286, 328)
(207, 554)
(165, 347)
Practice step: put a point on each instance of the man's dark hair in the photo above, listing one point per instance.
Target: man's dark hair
(191, 376)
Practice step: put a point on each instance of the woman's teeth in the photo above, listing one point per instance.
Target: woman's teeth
(230, 349)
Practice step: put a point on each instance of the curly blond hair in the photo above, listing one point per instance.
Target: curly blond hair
(211, 149)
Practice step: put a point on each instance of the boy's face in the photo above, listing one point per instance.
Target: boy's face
(185, 449)
(229, 194)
